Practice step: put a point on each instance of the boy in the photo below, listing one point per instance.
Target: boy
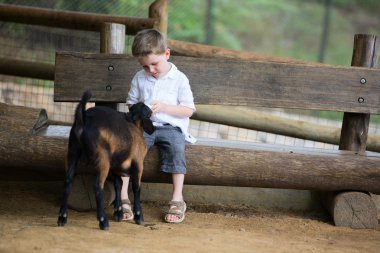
(166, 90)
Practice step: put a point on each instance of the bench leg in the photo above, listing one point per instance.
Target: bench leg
(352, 209)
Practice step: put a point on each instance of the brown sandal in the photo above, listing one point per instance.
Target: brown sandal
(177, 208)
(127, 211)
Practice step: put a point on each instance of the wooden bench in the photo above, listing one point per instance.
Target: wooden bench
(221, 82)
(260, 84)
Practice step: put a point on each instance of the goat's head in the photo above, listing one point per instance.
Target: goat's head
(140, 114)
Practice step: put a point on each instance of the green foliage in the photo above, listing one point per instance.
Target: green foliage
(281, 28)
(186, 21)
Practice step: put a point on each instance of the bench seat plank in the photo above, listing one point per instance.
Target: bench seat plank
(227, 82)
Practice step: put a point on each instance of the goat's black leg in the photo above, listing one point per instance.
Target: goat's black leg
(118, 209)
(139, 218)
(99, 195)
(62, 217)
(74, 153)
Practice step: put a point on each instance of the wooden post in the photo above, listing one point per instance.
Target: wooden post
(112, 38)
(159, 11)
(350, 208)
(112, 41)
(355, 125)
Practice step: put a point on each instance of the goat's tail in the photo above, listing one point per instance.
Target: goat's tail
(80, 113)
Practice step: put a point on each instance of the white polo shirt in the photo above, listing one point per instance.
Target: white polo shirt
(173, 89)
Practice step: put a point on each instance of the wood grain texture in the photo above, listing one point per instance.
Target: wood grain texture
(24, 155)
(112, 38)
(69, 19)
(227, 82)
(352, 209)
(354, 133)
(192, 49)
(229, 163)
(223, 164)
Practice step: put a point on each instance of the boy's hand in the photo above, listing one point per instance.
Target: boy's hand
(158, 107)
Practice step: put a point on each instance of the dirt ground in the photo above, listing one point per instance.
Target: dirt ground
(28, 215)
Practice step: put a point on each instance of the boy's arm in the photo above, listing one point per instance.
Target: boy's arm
(133, 93)
(173, 110)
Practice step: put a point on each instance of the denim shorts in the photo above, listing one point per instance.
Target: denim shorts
(171, 145)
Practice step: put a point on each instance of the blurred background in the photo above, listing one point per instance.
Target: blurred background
(312, 30)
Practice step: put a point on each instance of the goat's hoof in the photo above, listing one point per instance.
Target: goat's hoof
(139, 220)
(103, 224)
(118, 215)
(62, 220)
(104, 228)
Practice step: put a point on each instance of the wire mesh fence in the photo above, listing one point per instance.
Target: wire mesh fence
(39, 44)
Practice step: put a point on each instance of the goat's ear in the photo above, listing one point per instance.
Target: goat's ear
(128, 116)
(148, 126)
(146, 111)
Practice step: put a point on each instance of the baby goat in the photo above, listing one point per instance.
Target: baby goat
(109, 141)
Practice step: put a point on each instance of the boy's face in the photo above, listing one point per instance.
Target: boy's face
(156, 65)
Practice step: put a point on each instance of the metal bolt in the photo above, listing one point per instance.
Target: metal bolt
(110, 68)
(363, 80)
(108, 88)
(361, 100)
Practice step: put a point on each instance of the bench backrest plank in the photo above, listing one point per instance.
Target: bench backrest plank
(227, 82)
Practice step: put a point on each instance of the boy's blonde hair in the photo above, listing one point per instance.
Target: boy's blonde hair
(148, 41)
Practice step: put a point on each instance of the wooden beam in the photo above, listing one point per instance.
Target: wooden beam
(214, 162)
(210, 161)
(242, 117)
(70, 19)
(185, 48)
(26, 69)
(24, 154)
(232, 82)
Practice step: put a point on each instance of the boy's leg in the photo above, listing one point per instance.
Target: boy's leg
(171, 144)
(124, 189)
(178, 180)
(127, 207)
